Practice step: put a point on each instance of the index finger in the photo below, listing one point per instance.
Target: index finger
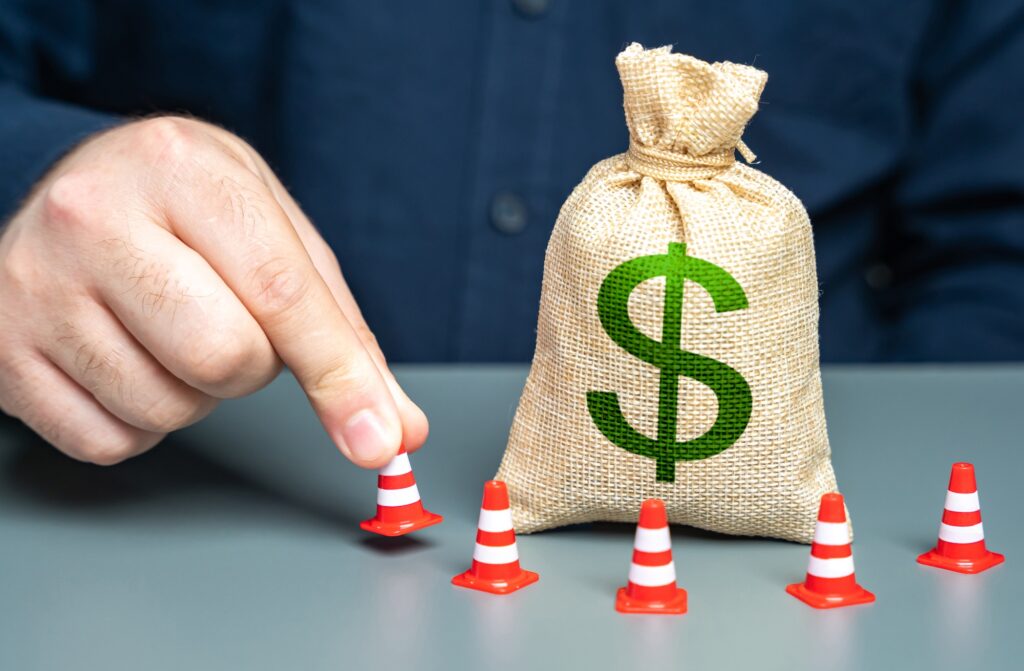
(227, 214)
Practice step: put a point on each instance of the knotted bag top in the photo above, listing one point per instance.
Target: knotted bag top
(685, 116)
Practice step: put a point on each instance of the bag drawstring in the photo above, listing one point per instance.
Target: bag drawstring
(672, 166)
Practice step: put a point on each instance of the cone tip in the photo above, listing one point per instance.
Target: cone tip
(961, 478)
(652, 514)
(832, 508)
(495, 495)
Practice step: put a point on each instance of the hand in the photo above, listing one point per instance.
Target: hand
(161, 266)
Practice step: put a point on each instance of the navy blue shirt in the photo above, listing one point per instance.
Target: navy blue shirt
(433, 143)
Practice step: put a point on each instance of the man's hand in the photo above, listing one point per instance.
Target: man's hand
(161, 266)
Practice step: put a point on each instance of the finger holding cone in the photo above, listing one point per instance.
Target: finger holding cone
(652, 585)
(830, 581)
(495, 566)
(961, 545)
(399, 508)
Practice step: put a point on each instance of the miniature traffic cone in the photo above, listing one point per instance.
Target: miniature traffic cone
(495, 557)
(652, 573)
(399, 509)
(961, 545)
(830, 581)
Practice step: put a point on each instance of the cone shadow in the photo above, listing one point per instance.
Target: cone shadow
(395, 545)
(916, 543)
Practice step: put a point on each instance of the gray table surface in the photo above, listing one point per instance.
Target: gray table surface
(234, 545)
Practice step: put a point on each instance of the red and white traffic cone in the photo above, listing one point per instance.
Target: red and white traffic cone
(652, 573)
(830, 581)
(399, 509)
(961, 545)
(495, 556)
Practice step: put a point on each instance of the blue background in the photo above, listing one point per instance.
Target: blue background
(433, 143)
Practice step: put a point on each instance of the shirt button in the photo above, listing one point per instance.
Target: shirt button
(508, 213)
(531, 8)
(878, 276)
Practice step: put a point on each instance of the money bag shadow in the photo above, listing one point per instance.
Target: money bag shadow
(621, 535)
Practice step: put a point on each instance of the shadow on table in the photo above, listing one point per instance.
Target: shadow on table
(628, 530)
(732, 548)
(395, 545)
(34, 473)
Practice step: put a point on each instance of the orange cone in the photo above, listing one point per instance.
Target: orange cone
(495, 557)
(961, 545)
(830, 581)
(399, 509)
(652, 573)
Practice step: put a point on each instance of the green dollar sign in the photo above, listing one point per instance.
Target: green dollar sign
(734, 399)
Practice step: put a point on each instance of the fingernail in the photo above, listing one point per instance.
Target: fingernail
(365, 436)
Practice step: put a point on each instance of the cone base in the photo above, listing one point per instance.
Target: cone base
(471, 581)
(818, 600)
(377, 526)
(976, 565)
(674, 606)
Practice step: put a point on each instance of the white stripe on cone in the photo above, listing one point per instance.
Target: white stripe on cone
(955, 534)
(962, 503)
(490, 554)
(652, 540)
(399, 465)
(495, 520)
(837, 567)
(397, 497)
(831, 533)
(652, 576)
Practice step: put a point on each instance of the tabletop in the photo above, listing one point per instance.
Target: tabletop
(235, 545)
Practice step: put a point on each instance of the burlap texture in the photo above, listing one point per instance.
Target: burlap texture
(679, 182)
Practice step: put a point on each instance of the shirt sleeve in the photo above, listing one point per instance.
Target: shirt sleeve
(45, 45)
(956, 237)
(35, 133)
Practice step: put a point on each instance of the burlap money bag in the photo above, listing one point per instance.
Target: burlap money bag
(677, 343)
